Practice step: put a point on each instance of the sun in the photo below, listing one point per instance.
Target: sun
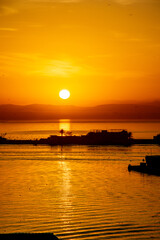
(64, 94)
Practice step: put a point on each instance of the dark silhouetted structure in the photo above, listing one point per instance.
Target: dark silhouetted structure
(28, 236)
(151, 165)
(104, 137)
(157, 139)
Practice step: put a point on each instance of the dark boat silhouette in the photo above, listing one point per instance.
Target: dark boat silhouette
(104, 137)
(150, 165)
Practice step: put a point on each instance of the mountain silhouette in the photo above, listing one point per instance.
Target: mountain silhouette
(9, 112)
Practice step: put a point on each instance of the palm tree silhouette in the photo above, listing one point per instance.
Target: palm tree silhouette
(61, 132)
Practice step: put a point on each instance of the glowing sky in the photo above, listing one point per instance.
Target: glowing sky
(102, 51)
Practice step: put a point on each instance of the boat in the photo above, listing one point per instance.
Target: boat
(97, 137)
(151, 165)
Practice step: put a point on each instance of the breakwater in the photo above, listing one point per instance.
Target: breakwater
(103, 137)
(28, 236)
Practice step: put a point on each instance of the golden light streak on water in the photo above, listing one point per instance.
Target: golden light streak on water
(64, 124)
(82, 192)
(78, 192)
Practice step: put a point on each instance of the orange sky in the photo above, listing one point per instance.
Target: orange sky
(102, 51)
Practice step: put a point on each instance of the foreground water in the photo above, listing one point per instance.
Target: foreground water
(78, 192)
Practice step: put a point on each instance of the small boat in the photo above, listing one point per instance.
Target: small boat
(151, 165)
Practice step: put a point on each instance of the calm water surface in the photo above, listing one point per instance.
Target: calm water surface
(78, 192)
(35, 130)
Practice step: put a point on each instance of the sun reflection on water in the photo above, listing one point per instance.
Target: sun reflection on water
(64, 124)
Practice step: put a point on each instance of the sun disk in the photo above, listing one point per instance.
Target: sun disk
(64, 94)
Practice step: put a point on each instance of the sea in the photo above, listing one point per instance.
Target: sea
(78, 192)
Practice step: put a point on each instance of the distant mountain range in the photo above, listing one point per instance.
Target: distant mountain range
(147, 111)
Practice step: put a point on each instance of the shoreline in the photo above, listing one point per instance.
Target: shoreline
(66, 141)
(104, 137)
